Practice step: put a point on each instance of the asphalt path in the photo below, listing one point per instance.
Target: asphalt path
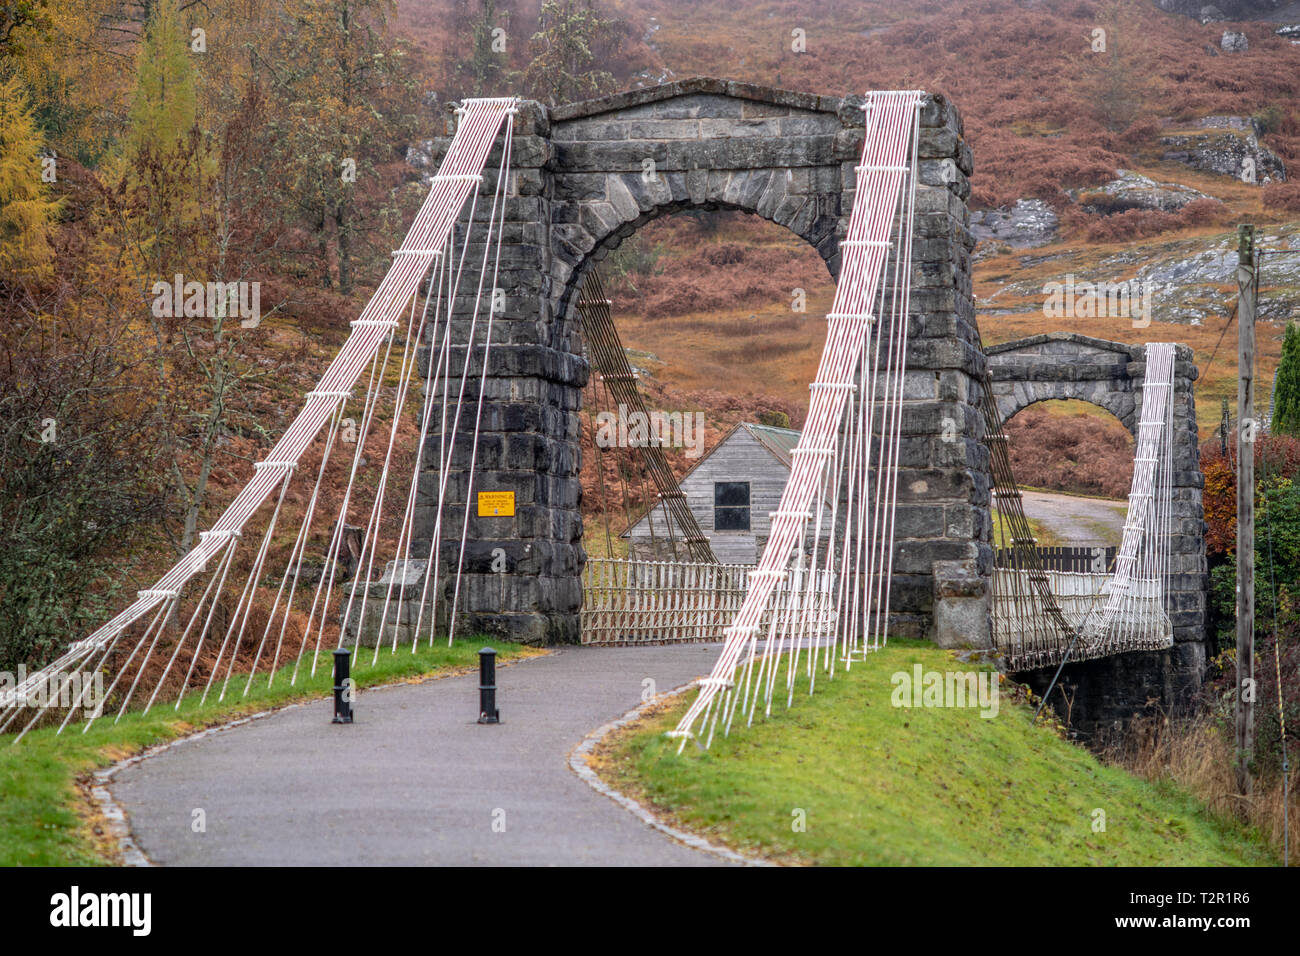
(416, 780)
(1078, 521)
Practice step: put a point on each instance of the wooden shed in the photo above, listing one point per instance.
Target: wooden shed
(732, 491)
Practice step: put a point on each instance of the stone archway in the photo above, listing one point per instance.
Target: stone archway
(584, 177)
(1064, 365)
(624, 160)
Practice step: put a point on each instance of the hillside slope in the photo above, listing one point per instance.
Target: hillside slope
(876, 784)
(707, 309)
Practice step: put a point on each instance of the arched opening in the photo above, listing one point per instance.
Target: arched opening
(586, 176)
(720, 315)
(1073, 461)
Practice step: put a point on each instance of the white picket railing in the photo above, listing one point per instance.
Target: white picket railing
(654, 602)
(1024, 634)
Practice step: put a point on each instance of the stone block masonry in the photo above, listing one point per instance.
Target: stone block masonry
(588, 175)
(1061, 365)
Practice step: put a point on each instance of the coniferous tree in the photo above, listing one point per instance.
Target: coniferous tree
(164, 164)
(1286, 385)
(26, 210)
(166, 221)
(164, 108)
(17, 17)
(573, 39)
(70, 58)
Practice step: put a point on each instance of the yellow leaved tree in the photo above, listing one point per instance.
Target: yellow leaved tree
(27, 211)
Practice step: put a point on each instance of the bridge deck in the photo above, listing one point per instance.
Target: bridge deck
(1028, 637)
(654, 602)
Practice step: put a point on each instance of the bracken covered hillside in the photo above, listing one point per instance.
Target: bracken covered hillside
(1109, 141)
(1043, 112)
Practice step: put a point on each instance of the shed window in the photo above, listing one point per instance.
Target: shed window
(731, 506)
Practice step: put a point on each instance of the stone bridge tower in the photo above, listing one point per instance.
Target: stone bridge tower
(1065, 365)
(585, 177)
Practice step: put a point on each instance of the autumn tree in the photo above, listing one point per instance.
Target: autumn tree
(572, 42)
(344, 102)
(79, 449)
(164, 108)
(19, 16)
(26, 208)
(75, 71)
(164, 230)
(163, 159)
(479, 47)
(1115, 77)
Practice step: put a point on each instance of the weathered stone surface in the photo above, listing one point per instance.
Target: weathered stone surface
(590, 176)
(1025, 225)
(586, 176)
(1102, 695)
(1061, 365)
(961, 606)
(1135, 191)
(1233, 42)
(1224, 9)
(1229, 146)
(391, 601)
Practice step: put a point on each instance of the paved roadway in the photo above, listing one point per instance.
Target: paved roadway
(416, 780)
(1078, 521)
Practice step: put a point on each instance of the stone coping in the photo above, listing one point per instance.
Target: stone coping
(696, 84)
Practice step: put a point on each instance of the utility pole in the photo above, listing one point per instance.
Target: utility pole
(1225, 419)
(1245, 701)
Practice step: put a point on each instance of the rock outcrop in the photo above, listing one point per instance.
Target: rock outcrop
(1026, 225)
(1233, 42)
(1135, 191)
(1187, 276)
(1229, 146)
(1225, 9)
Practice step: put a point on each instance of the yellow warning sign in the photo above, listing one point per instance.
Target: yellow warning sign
(496, 504)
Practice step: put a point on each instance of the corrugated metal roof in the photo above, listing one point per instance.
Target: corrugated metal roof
(779, 441)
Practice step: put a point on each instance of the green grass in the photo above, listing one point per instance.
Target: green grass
(1107, 534)
(596, 545)
(920, 786)
(43, 817)
(1045, 536)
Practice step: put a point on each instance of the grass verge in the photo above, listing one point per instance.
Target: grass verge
(45, 819)
(885, 785)
(1046, 537)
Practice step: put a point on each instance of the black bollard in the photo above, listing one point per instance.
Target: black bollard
(342, 686)
(487, 687)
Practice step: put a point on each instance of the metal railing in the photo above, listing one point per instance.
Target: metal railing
(1057, 558)
(1026, 633)
(655, 602)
